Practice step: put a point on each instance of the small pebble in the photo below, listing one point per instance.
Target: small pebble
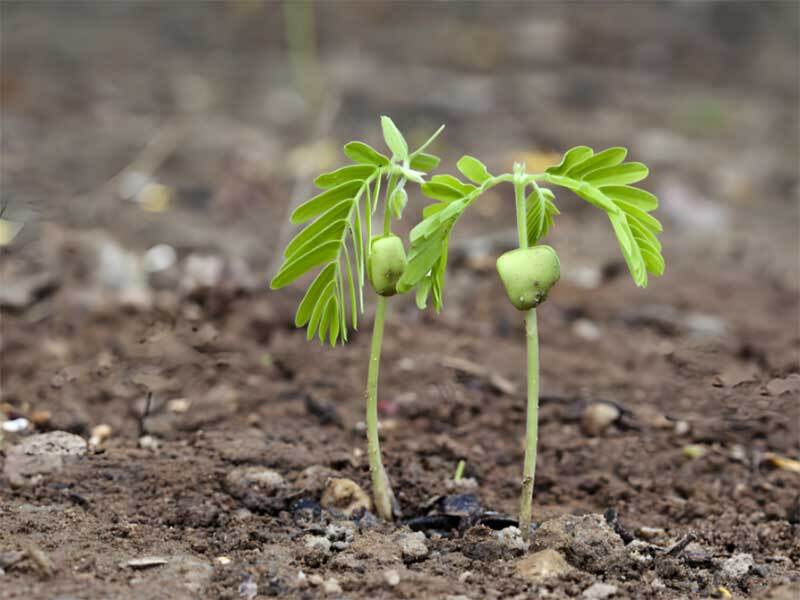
(542, 565)
(345, 496)
(15, 425)
(597, 417)
(315, 580)
(223, 560)
(650, 533)
(392, 577)
(148, 442)
(693, 451)
(682, 427)
(41, 417)
(331, 587)
(511, 538)
(598, 591)
(146, 562)
(248, 589)
(586, 329)
(178, 405)
(100, 434)
(465, 576)
(738, 565)
(318, 543)
(413, 546)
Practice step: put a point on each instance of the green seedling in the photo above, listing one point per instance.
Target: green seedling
(459, 474)
(338, 241)
(528, 273)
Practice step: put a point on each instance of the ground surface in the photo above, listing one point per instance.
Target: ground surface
(226, 425)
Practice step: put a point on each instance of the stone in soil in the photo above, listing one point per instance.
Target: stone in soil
(542, 565)
(413, 546)
(511, 538)
(737, 566)
(345, 496)
(599, 591)
(597, 417)
(587, 541)
(39, 455)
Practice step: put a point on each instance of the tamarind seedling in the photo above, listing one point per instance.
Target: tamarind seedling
(529, 273)
(337, 241)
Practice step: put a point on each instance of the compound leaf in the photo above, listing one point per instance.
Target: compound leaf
(604, 179)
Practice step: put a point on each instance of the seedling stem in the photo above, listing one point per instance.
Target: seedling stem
(381, 489)
(532, 336)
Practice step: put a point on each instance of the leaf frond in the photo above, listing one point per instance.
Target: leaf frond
(604, 180)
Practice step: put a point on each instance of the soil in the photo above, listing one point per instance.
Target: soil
(227, 427)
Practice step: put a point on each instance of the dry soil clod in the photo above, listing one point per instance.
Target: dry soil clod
(346, 497)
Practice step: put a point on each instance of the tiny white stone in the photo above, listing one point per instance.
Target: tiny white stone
(15, 425)
(392, 577)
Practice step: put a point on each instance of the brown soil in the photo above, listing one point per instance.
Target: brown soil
(702, 365)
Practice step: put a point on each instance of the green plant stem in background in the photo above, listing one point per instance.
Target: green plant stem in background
(381, 490)
(459, 470)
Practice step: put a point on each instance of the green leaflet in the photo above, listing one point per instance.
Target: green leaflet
(334, 327)
(398, 201)
(630, 250)
(449, 180)
(325, 297)
(334, 232)
(339, 176)
(635, 196)
(617, 175)
(424, 162)
(423, 289)
(303, 263)
(473, 169)
(362, 153)
(318, 204)
(439, 270)
(436, 220)
(637, 213)
(571, 157)
(412, 175)
(420, 260)
(327, 314)
(394, 139)
(606, 158)
(540, 213)
(336, 212)
(432, 209)
(313, 294)
(441, 191)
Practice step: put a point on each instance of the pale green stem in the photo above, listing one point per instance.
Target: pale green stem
(531, 424)
(387, 213)
(532, 418)
(381, 489)
(522, 218)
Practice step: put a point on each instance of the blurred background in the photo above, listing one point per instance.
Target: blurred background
(195, 125)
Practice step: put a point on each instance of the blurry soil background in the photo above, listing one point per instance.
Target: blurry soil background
(168, 434)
